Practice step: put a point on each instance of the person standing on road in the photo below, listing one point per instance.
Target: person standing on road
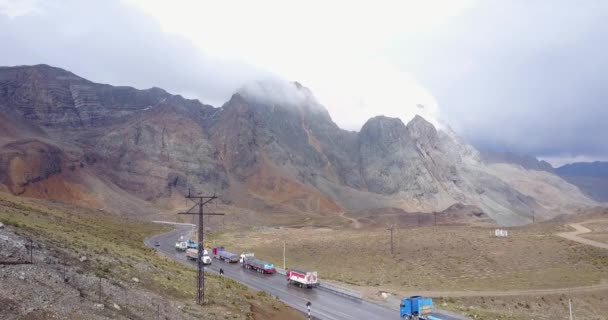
(221, 272)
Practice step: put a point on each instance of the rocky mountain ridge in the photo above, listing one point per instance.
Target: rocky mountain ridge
(590, 177)
(287, 155)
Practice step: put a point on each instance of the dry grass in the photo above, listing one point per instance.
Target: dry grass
(591, 306)
(445, 259)
(441, 258)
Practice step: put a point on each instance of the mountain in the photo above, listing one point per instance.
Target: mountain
(269, 148)
(526, 161)
(590, 177)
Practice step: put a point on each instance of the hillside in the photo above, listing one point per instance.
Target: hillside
(78, 251)
(131, 151)
(590, 177)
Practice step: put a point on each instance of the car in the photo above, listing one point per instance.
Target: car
(156, 244)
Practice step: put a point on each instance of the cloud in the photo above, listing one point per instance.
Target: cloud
(113, 43)
(121, 43)
(526, 76)
(334, 48)
(277, 91)
(516, 75)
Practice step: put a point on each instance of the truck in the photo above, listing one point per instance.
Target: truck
(301, 278)
(181, 246)
(245, 255)
(192, 254)
(416, 308)
(223, 255)
(258, 265)
(191, 244)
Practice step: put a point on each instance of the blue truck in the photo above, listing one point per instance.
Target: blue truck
(191, 244)
(417, 308)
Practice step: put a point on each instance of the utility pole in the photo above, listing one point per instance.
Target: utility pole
(570, 307)
(435, 217)
(200, 202)
(284, 255)
(31, 251)
(391, 228)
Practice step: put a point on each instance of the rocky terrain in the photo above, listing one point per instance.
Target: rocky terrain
(87, 264)
(129, 150)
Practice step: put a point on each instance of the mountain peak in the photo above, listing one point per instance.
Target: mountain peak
(419, 128)
(383, 127)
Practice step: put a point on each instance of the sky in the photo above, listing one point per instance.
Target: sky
(523, 76)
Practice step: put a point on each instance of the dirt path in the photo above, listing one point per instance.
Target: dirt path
(356, 223)
(580, 229)
(527, 292)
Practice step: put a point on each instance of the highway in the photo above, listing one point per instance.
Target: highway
(325, 305)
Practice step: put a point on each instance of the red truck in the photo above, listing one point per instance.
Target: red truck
(258, 265)
(301, 278)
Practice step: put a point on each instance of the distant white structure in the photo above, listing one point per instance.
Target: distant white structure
(501, 233)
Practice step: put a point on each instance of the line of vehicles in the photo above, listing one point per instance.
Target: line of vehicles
(411, 308)
(297, 277)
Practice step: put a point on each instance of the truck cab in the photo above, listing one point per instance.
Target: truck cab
(415, 307)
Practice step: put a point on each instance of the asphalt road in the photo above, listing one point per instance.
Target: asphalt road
(325, 305)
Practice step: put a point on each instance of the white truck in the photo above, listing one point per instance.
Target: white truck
(192, 254)
(246, 255)
(307, 279)
(181, 246)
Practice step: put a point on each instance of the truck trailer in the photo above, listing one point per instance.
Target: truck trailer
(192, 254)
(258, 265)
(303, 279)
(221, 254)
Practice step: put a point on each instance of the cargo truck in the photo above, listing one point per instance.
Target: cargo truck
(245, 255)
(258, 265)
(303, 279)
(181, 246)
(192, 254)
(221, 254)
(417, 308)
(191, 244)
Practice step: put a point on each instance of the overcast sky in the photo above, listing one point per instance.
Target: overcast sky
(525, 76)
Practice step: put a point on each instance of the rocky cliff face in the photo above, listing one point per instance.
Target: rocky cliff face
(284, 154)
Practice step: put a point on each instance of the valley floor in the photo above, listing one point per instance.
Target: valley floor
(530, 274)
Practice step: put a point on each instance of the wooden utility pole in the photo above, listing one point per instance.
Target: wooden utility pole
(200, 202)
